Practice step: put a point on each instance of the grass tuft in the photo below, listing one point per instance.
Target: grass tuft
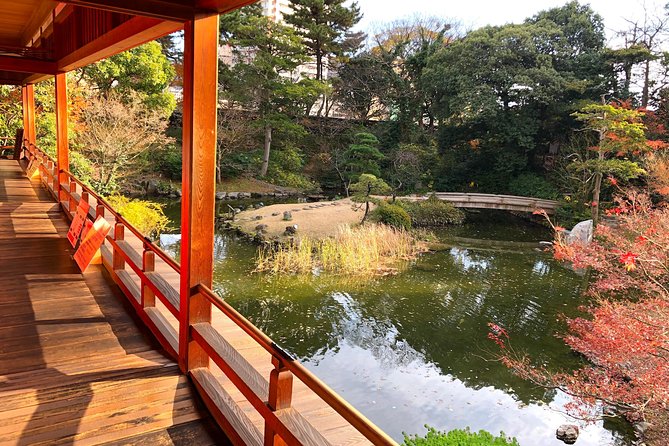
(368, 250)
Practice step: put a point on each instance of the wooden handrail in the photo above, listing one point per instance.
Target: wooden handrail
(329, 396)
(150, 244)
(281, 421)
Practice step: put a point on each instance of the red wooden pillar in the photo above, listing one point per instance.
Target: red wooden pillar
(29, 113)
(200, 93)
(63, 157)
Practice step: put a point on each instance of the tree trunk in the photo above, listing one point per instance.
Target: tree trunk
(319, 66)
(369, 192)
(268, 146)
(646, 85)
(594, 206)
(595, 199)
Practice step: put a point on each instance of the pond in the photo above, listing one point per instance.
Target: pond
(412, 349)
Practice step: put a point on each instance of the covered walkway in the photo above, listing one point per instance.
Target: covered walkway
(75, 367)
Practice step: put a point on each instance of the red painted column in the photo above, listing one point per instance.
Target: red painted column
(200, 98)
(28, 105)
(29, 123)
(62, 148)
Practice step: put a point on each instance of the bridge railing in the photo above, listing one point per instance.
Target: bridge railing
(478, 200)
(144, 272)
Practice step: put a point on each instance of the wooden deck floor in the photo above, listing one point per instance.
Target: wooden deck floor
(75, 368)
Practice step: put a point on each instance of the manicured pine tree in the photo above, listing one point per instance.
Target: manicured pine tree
(325, 27)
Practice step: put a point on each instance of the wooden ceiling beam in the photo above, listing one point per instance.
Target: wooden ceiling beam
(164, 9)
(27, 65)
(221, 6)
(158, 9)
(35, 78)
(128, 35)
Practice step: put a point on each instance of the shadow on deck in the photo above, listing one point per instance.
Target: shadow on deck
(75, 366)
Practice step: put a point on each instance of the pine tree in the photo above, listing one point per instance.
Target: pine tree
(325, 27)
(265, 54)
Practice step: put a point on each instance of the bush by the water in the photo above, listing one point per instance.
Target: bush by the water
(458, 437)
(365, 250)
(392, 215)
(147, 217)
(432, 212)
(532, 185)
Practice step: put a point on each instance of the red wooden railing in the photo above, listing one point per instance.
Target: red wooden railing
(271, 398)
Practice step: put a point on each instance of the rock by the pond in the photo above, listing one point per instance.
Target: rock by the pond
(291, 230)
(237, 210)
(567, 433)
(274, 214)
(243, 195)
(642, 426)
(150, 187)
(287, 216)
(220, 195)
(233, 195)
(581, 233)
(261, 228)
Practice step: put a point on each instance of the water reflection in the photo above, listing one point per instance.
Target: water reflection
(411, 350)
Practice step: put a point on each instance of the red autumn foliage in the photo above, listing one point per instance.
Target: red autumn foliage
(625, 333)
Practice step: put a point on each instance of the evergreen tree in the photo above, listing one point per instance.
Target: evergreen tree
(261, 75)
(325, 26)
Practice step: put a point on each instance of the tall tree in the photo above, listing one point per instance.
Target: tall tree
(324, 26)
(260, 75)
(144, 70)
(497, 114)
(643, 45)
(621, 134)
(10, 110)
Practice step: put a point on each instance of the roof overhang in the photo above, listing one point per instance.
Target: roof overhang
(39, 38)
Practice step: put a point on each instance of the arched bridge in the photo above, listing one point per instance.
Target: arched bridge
(490, 201)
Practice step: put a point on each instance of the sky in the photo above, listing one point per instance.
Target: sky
(476, 13)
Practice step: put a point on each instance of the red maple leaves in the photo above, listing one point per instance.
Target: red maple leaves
(625, 335)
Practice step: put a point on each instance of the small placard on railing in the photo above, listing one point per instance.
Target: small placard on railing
(78, 222)
(32, 168)
(91, 243)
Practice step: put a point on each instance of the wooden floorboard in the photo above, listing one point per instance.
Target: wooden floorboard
(75, 367)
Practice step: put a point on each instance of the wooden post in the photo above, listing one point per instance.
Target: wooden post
(32, 134)
(200, 93)
(63, 157)
(28, 103)
(280, 397)
(73, 203)
(148, 265)
(99, 210)
(118, 262)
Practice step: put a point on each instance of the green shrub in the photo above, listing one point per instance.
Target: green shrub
(169, 161)
(392, 215)
(458, 437)
(432, 212)
(81, 167)
(147, 217)
(532, 185)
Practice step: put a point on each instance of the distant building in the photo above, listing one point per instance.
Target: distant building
(275, 9)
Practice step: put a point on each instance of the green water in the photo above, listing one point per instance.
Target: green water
(411, 350)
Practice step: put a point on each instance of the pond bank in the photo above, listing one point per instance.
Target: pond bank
(314, 220)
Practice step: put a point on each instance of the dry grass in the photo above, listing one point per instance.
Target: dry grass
(368, 250)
